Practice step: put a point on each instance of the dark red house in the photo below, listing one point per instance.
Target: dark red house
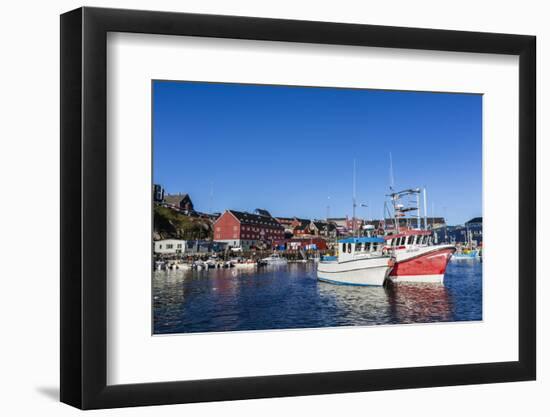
(245, 230)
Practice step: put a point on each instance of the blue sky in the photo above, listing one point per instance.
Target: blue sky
(291, 149)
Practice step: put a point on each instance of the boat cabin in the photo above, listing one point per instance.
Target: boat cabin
(408, 238)
(358, 247)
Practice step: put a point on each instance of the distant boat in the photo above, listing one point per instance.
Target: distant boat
(249, 263)
(275, 259)
(467, 254)
(360, 261)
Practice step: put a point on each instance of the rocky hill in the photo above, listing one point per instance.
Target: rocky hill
(169, 224)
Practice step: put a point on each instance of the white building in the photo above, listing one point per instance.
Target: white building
(170, 246)
(187, 247)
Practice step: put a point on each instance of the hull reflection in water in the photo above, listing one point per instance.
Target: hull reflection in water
(419, 303)
(291, 297)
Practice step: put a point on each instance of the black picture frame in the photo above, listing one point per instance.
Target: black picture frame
(84, 207)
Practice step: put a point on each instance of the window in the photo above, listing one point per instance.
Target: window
(410, 240)
(179, 245)
(367, 246)
(169, 246)
(349, 247)
(358, 247)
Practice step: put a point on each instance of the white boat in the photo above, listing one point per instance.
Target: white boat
(246, 264)
(200, 265)
(211, 263)
(275, 259)
(360, 261)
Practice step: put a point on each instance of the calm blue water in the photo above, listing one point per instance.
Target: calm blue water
(290, 296)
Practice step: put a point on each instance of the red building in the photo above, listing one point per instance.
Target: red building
(245, 230)
(311, 243)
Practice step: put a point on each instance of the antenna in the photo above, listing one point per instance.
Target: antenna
(391, 173)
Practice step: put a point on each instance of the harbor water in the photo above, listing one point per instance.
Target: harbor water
(290, 297)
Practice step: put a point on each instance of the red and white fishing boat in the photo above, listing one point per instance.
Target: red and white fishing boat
(418, 257)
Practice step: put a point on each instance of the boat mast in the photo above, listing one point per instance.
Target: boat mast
(393, 197)
(425, 211)
(418, 226)
(354, 199)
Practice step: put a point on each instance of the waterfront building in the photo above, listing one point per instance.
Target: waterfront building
(169, 246)
(311, 243)
(187, 247)
(247, 230)
(291, 223)
(316, 228)
(344, 225)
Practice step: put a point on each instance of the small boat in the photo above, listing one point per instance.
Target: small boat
(275, 259)
(249, 263)
(466, 254)
(360, 261)
(468, 251)
(200, 265)
(184, 265)
(211, 263)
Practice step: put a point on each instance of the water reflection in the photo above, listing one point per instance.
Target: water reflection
(290, 296)
(419, 303)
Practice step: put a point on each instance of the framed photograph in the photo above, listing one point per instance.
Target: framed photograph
(259, 208)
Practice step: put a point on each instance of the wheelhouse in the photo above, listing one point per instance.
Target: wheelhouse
(357, 247)
(409, 238)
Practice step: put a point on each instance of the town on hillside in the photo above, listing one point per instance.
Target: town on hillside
(181, 230)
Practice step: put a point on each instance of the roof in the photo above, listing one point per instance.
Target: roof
(475, 220)
(262, 212)
(324, 225)
(362, 240)
(250, 218)
(175, 198)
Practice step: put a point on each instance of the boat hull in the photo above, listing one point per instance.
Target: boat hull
(426, 264)
(364, 272)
